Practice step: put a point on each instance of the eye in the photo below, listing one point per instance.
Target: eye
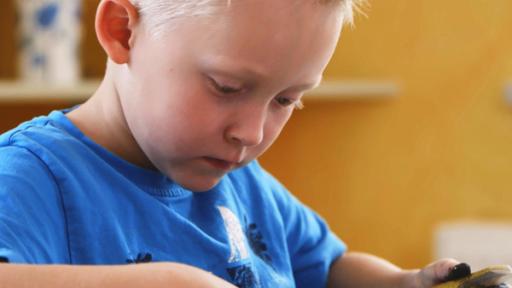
(224, 89)
(227, 89)
(285, 102)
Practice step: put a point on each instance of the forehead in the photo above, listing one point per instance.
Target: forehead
(267, 36)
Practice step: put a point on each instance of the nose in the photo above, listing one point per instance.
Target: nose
(248, 128)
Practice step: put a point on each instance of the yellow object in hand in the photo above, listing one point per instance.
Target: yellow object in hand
(492, 276)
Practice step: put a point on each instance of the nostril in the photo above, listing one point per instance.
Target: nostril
(235, 140)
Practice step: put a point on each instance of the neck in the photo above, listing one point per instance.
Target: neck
(102, 119)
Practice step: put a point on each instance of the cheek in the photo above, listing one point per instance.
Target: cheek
(274, 126)
(272, 129)
(184, 117)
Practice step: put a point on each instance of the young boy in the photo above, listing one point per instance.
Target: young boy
(159, 164)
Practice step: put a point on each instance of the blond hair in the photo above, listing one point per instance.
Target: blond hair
(156, 14)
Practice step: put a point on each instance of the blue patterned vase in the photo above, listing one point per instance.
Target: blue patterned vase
(50, 33)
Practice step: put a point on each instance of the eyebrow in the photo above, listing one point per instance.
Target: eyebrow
(230, 68)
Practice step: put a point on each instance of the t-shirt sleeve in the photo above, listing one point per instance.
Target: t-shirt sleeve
(32, 222)
(313, 247)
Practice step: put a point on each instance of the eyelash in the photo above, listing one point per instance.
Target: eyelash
(224, 89)
(227, 90)
(297, 104)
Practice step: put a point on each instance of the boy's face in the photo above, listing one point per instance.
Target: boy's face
(215, 92)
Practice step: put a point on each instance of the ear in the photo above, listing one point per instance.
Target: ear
(115, 20)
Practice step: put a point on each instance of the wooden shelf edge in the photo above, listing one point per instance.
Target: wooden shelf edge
(356, 89)
(17, 91)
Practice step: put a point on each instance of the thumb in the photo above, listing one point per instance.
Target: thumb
(443, 270)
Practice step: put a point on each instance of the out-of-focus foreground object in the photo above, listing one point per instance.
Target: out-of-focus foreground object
(493, 276)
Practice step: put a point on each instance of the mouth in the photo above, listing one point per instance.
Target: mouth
(220, 164)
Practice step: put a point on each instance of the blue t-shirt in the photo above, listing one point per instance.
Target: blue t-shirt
(65, 199)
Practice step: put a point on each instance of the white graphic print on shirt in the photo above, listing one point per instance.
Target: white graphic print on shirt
(237, 242)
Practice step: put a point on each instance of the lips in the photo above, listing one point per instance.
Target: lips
(219, 164)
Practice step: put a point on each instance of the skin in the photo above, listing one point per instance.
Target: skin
(208, 97)
(153, 275)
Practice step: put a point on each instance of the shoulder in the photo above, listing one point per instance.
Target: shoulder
(44, 141)
(36, 132)
(24, 154)
(22, 170)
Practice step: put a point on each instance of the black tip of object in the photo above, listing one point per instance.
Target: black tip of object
(4, 259)
(458, 271)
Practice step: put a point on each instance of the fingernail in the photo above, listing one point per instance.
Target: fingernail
(458, 271)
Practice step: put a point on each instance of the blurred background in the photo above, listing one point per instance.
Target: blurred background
(409, 163)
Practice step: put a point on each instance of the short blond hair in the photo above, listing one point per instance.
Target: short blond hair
(156, 14)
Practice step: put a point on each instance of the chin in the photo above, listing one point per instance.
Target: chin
(192, 180)
(200, 185)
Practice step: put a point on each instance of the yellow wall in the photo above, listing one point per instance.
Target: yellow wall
(384, 172)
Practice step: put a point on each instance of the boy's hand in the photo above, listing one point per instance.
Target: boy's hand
(495, 276)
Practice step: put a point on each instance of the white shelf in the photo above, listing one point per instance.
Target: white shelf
(17, 91)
